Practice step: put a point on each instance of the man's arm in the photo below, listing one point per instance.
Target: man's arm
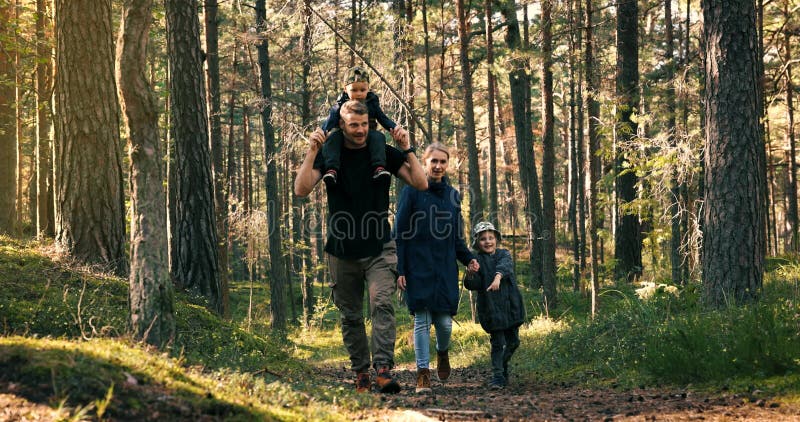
(411, 172)
(307, 175)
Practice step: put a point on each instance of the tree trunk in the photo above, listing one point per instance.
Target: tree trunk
(442, 61)
(215, 130)
(493, 206)
(519, 84)
(45, 222)
(791, 171)
(300, 206)
(593, 113)
(8, 133)
(676, 260)
(427, 51)
(627, 239)
(475, 196)
(195, 264)
(90, 214)
(580, 145)
(278, 276)
(150, 295)
(548, 163)
(733, 232)
(572, 145)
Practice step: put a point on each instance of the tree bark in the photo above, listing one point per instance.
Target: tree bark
(278, 276)
(301, 238)
(8, 122)
(593, 113)
(215, 131)
(475, 196)
(427, 50)
(90, 214)
(548, 163)
(734, 211)
(791, 171)
(195, 264)
(676, 260)
(627, 239)
(493, 206)
(150, 296)
(572, 145)
(520, 84)
(45, 222)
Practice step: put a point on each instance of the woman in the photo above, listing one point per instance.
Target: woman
(430, 238)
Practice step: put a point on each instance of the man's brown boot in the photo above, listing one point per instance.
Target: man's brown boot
(385, 382)
(363, 382)
(442, 365)
(423, 380)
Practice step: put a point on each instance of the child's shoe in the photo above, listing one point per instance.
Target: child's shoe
(330, 177)
(379, 173)
(423, 380)
(497, 382)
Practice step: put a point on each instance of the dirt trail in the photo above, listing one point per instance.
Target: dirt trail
(464, 397)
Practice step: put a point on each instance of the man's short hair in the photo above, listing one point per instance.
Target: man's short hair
(354, 107)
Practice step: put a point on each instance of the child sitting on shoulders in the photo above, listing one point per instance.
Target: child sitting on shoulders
(500, 307)
(356, 87)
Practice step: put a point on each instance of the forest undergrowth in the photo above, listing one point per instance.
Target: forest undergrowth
(65, 345)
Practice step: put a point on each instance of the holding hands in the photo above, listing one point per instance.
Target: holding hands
(473, 266)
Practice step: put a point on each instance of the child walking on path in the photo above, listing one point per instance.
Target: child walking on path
(500, 307)
(356, 87)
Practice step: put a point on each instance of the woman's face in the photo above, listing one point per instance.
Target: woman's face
(436, 165)
(487, 242)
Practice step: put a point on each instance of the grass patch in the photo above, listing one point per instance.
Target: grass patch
(673, 340)
(65, 344)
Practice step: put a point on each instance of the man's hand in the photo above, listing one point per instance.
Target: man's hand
(316, 140)
(400, 137)
(401, 282)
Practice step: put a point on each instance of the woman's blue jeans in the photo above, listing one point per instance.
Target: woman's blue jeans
(422, 335)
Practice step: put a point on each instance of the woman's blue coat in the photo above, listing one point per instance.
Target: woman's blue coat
(429, 231)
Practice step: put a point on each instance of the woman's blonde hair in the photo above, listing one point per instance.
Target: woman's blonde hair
(436, 146)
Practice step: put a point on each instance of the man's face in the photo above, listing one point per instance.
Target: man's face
(355, 128)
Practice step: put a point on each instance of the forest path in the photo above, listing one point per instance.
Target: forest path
(465, 397)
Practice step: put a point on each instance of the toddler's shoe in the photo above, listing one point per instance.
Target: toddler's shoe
(330, 177)
(497, 382)
(379, 173)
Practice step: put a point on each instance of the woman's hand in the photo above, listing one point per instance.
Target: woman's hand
(401, 282)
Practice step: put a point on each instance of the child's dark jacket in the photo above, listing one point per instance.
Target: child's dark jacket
(373, 105)
(499, 309)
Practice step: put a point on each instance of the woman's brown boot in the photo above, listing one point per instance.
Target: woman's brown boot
(443, 365)
(423, 380)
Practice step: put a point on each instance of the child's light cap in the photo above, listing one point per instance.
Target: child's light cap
(356, 74)
(482, 227)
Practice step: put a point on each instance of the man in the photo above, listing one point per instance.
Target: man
(359, 244)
